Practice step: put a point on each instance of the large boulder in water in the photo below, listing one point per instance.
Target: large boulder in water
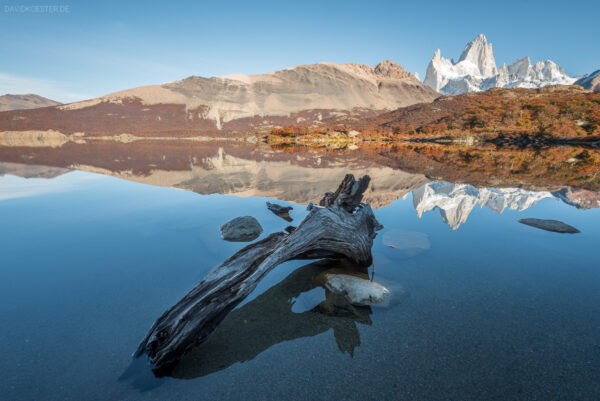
(241, 229)
(550, 225)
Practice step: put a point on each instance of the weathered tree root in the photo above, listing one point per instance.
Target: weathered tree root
(344, 227)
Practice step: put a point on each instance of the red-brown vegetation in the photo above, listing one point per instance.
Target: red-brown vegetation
(565, 112)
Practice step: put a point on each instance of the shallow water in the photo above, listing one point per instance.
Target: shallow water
(493, 309)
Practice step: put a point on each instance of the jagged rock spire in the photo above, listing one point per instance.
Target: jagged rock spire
(480, 53)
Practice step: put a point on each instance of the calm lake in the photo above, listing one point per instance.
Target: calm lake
(98, 240)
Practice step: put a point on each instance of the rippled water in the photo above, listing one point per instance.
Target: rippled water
(491, 309)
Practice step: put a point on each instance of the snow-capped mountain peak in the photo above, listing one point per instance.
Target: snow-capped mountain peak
(476, 71)
(479, 52)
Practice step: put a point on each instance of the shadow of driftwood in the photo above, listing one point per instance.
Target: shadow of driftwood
(270, 319)
(273, 317)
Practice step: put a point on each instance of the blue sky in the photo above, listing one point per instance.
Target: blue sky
(93, 48)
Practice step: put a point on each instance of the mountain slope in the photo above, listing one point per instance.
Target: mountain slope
(590, 81)
(552, 111)
(319, 86)
(307, 94)
(476, 71)
(21, 102)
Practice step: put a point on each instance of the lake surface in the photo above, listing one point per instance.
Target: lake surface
(95, 248)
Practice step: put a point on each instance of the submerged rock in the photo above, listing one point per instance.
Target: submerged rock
(358, 291)
(308, 300)
(241, 229)
(339, 306)
(281, 211)
(410, 243)
(550, 225)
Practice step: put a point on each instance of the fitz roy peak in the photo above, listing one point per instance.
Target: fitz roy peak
(476, 71)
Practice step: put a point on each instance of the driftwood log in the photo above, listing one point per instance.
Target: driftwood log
(342, 227)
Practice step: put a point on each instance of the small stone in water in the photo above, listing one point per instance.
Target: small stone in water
(550, 225)
(241, 229)
(281, 211)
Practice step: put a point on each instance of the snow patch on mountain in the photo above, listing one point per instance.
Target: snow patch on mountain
(476, 71)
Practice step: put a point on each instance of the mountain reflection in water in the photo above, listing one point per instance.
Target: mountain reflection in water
(496, 179)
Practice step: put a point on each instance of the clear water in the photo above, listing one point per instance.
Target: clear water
(493, 310)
